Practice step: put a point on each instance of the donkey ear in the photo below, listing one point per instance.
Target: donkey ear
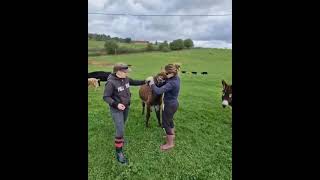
(162, 70)
(223, 83)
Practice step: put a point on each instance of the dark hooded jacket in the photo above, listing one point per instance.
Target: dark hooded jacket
(117, 90)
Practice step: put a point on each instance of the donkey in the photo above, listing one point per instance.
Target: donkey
(149, 98)
(226, 94)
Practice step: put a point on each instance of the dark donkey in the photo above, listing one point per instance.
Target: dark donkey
(151, 99)
(226, 94)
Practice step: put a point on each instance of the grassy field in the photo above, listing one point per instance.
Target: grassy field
(203, 127)
(95, 44)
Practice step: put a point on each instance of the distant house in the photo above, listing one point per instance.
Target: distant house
(140, 42)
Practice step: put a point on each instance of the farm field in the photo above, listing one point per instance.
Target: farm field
(203, 128)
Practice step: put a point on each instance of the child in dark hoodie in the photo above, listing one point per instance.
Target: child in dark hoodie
(117, 95)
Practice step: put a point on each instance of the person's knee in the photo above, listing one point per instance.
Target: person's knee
(171, 125)
(119, 129)
(119, 133)
(169, 131)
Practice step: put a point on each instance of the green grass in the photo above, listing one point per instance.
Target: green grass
(203, 127)
(95, 44)
(133, 46)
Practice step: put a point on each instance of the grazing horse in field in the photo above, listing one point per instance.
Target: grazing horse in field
(149, 98)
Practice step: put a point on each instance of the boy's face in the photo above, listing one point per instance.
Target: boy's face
(122, 74)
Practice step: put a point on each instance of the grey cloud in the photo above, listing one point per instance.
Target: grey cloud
(217, 30)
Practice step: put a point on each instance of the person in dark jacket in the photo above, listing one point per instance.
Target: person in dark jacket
(171, 92)
(117, 95)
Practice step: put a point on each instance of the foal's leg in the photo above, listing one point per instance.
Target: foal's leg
(143, 107)
(148, 115)
(148, 102)
(157, 109)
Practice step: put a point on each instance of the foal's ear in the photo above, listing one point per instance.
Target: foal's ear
(224, 83)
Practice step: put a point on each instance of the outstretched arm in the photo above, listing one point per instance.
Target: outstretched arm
(136, 82)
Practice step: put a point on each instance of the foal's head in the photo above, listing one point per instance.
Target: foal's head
(160, 79)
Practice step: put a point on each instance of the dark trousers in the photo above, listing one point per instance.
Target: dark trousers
(170, 108)
(119, 118)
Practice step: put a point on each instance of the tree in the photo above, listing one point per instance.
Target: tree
(149, 47)
(177, 44)
(127, 40)
(111, 46)
(163, 45)
(188, 43)
(116, 39)
(165, 49)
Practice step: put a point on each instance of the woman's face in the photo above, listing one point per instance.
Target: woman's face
(169, 75)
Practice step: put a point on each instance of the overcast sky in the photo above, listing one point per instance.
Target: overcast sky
(205, 31)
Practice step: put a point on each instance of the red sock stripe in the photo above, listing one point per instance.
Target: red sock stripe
(118, 142)
(118, 145)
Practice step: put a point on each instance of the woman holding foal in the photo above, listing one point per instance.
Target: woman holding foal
(171, 92)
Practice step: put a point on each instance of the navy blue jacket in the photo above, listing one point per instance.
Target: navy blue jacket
(170, 89)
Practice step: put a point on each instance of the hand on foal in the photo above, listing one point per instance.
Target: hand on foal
(150, 80)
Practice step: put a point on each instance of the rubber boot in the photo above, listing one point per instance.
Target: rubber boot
(169, 141)
(120, 156)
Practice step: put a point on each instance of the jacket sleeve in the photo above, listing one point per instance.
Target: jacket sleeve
(107, 95)
(136, 82)
(165, 88)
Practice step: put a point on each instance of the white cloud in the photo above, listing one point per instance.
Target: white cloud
(213, 44)
(208, 31)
